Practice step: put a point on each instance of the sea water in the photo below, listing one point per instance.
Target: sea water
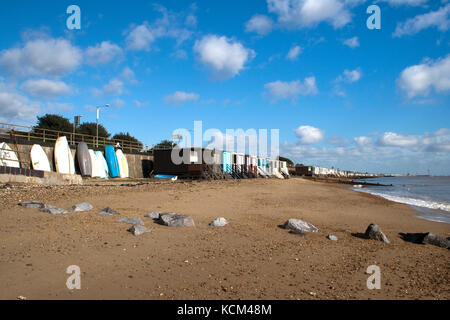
(430, 195)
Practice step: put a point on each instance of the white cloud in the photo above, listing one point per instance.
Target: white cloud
(54, 57)
(180, 97)
(294, 52)
(309, 13)
(309, 135)
(128, 74)
(15, 107)
(405, 2)
(224, 57)
(142, 36)
(113, 88)
(392, 139)
(140, 104)
(350, 76)
(117, 103)
(44, 88)
(352, 42)
(291, 90)
(362, 141)
(439, 19)
(102, 53)
(420, 79)
(390, 153)
(259, 24)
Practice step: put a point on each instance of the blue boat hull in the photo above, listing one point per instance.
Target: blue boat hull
(111, 160)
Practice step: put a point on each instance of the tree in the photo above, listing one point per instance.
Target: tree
(289, 162)
(127, 137)
(54, 122)
(165, 144)
(90, 128)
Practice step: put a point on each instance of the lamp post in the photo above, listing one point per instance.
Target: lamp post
(98, 111)
(76, 123)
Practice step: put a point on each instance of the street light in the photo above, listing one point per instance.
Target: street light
(98, 109)
(76, 123)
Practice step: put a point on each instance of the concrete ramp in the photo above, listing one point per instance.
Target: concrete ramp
(29, 176)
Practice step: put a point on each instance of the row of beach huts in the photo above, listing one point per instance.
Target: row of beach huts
(194, 163)
(216, 164)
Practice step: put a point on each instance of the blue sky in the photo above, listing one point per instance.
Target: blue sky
(340, 94)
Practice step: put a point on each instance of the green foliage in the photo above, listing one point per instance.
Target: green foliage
(54, 122)
(90, 128)
(289, 162)
(126, 137)
(165, 144)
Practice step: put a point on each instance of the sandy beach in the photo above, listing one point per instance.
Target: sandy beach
(251, 258)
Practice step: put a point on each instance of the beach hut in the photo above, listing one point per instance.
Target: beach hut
(226, 162)
(188, 162)
(284, 169)
(254, 165)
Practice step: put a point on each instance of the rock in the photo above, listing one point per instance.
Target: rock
(153, 215)
(53, 210)
(331, 237)
(84, 206)
(107, 212)
(374, 232)
(299, 226)
(32, 204)
(131, 221)
(219, 222)
(436, 240)
(175, 220)
(137, 230)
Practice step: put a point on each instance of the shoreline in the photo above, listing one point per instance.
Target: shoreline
(251, 258)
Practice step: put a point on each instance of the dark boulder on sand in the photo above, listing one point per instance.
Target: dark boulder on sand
(426, 238)
(137, 230)
(175, 220)
(299, 226)
(374, 232)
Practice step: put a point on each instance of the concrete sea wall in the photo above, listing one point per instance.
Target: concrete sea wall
(140, 164)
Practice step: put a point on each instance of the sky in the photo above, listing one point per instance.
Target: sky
(342, 95)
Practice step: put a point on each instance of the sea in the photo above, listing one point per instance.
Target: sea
(429, 195)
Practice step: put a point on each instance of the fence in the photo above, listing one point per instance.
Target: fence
(19, 132)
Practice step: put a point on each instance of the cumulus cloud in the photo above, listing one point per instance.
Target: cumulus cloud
(309, 135)
(362, 141)
(102, 53)
(293, 53)
(392, 139)
(350, 76)
(224, 57)
(180, 97)
(291, 90)
(420, 79)
(141, 37)
(259, 24)
(438, 19)
(15, 107)
(53, 57)
(140, 104)
(352, 42)
(296, 14)
(405, 2)
(44, 88)
(113, 88)
(386, 152)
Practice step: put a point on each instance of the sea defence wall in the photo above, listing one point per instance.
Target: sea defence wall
(140, 165)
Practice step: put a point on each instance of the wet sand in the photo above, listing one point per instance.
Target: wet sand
(251, 258)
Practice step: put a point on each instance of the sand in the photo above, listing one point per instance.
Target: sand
(251, 258)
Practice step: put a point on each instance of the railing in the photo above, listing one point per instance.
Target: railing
(47, 135)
